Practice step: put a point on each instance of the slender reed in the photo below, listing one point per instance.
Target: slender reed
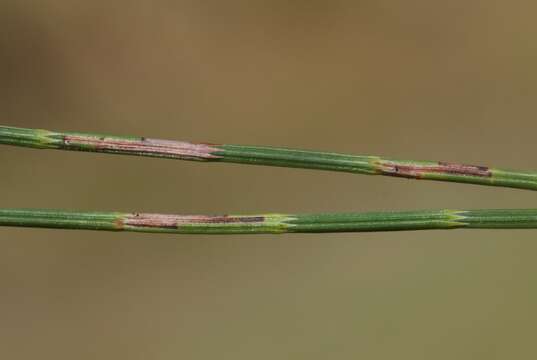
(272, 156)
(272, 223)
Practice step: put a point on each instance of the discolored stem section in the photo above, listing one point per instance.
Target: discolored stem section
(271, 156)
(272, 223)
(126, 145)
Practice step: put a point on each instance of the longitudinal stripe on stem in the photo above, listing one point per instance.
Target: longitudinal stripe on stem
(270, 156)
(272, 223)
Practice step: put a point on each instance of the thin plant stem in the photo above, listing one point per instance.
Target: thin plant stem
(271, 156)
(272, 223)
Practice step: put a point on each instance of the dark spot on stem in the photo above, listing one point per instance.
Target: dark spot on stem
(225, 219)
(161, 221)
(417, 171)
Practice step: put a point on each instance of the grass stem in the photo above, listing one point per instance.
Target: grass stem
(271, 156)
(272, 223)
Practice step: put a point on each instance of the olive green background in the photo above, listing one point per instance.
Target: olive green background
(429, 80)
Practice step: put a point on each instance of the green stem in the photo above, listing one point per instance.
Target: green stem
(272, 223)
(272, 156)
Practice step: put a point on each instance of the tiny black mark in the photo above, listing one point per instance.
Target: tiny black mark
(229, 219)
(253, 219)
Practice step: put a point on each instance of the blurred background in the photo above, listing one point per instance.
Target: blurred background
(430, 80)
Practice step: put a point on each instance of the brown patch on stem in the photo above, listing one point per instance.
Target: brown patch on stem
(176, 221)
(143, 146)
(416, 171)
(119, 223)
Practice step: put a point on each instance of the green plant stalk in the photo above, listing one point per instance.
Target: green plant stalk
(271, 223)
(272, 156)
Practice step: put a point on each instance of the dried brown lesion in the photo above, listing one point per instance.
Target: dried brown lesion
(418, 171)
(143, 146)
(162, 221)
